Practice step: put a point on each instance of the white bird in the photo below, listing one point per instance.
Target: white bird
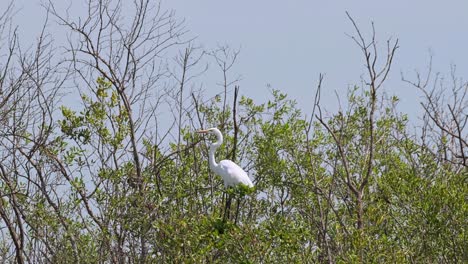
(231, 173)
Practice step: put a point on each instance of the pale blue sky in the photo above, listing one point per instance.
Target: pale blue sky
(288, 45)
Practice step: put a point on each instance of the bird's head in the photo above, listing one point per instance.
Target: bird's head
(211, 131)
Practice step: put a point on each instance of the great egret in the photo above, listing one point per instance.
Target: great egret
(231, 173)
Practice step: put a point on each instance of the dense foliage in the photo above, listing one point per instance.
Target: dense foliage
(102, 179)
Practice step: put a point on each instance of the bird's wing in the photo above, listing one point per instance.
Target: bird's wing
(233, 174)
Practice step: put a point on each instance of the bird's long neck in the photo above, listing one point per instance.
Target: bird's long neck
(213, 147)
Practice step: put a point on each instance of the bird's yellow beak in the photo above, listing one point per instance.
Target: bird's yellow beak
(202, 131)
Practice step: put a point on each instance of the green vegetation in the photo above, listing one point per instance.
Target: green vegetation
(100, 180)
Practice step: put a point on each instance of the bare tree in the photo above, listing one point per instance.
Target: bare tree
(356, 173)
(445, 117)
(130, 53)
(225, 58)
(30, 82)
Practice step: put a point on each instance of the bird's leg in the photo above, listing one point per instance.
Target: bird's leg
(228, 204)
(227, 209)
(223, 202)
(237, 209)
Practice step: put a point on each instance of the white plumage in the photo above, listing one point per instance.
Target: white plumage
(231, 173)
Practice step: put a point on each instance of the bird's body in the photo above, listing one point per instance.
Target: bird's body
(231, 173)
